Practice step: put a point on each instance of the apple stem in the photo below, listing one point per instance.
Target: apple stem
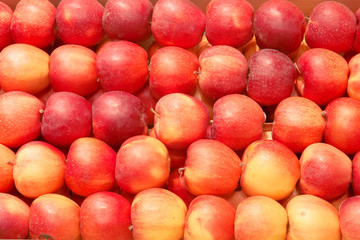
(242, 164)
(324, 115)
(211, 121)
(153, 111)
(131, 227)
(197, 72)
(41, 111)
(307, 19)
(297, 68)
(10, 162)
(149, 67)
(98, 80)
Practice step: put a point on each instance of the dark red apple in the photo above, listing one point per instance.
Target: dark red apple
(176, 184)
(5, 22)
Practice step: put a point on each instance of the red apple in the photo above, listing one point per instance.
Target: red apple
(176, 184)
(73, 69)
(271, 78)
(177, 157)
(353, 87)
(298, 123)
(116, 116)
(211, 168)
(235, 197)
(7, 160)
(91, 98)
(280, 25)
(177, 23)
(39, 169)
(145, 96)
(127, 19)
(34, 23)
(80, 22)
(180, 120)
(54, 216)
(20, 118)
(356, 174)
(105, 215)
(332, 25)
(229, 22)
(14, 217)
(90, 166)
(356, 44)
(349, 218)
(209, 217)
(223, 71)
(324, 75)
(237, 121)
(5, 22)
(142, 162)
(122, 66)
(67, 117)
(45, 95)
(325, 171)
(336, 202)
(173, 70)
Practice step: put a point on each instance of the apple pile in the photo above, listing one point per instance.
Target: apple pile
(233, 124)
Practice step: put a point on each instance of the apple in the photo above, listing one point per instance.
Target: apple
(122, 66)
(223, 71)
(356, 44)
(116, 116)
(271, 78)
(332, 25)
(5, 22)
(39, 169)
(229, 22)
(209, 103)
(73, 69)
(336, 202)
(80, 22)
(177, 157)
(142, 162)
(349, 218)
(127, 19)
(92, 97)
(24, 68)
(325, 171)
(173, 70)
(45, 94)
(238, 121)
(284, 202)
(235, 197)
(323, 75)
(176, 184)
(105, 215)
(280, 25)
(341, 130)
(180, 120)
(209, 217)
(298, 123)
(90, 166)
(353, 87)
(157, 213)
(294, 56)
(311, 217)
(356, 174)
(211, 168)
(34, 23)
(14, 217)
(54, 216)
(7, 160)
(145, 96)
(20, 115)
(155, 46)
(269, 168)
(177, 23)
(203, 45)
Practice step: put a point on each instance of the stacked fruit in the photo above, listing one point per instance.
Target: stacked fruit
(234, 124)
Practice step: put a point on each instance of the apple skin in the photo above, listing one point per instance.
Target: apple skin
(235, 197)
(325, 171)
(332, 25)
(356, 174)
(356, 44)
(120, 14)
(260, 218)
(24, 68)
(20, 118)
(73, 69)
(353, 87)
(176, 184)
(311, 217)
(223, 71)
(177, 157)
(145, 96)
(181, 120)
(237, 121)
(7, 159)
(105, 215)
(229, 22)
(116, 116)
(349, 218)
(80, 22)
(56, 216)
(269, 168)
(142, 162)
(34, 23)
(14, 217)
(211, 168)
(157, 213)
(271, 78)
(39, 169)
(336, 202)
(5, 22)
(280, 25)
(187, 23)
(173, 71)
(122, 66)
(90, 166)
(209, 217)
(298, 123)
(341, 130)
(323, 75)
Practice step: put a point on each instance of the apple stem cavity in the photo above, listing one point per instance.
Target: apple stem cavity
(153, 111)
